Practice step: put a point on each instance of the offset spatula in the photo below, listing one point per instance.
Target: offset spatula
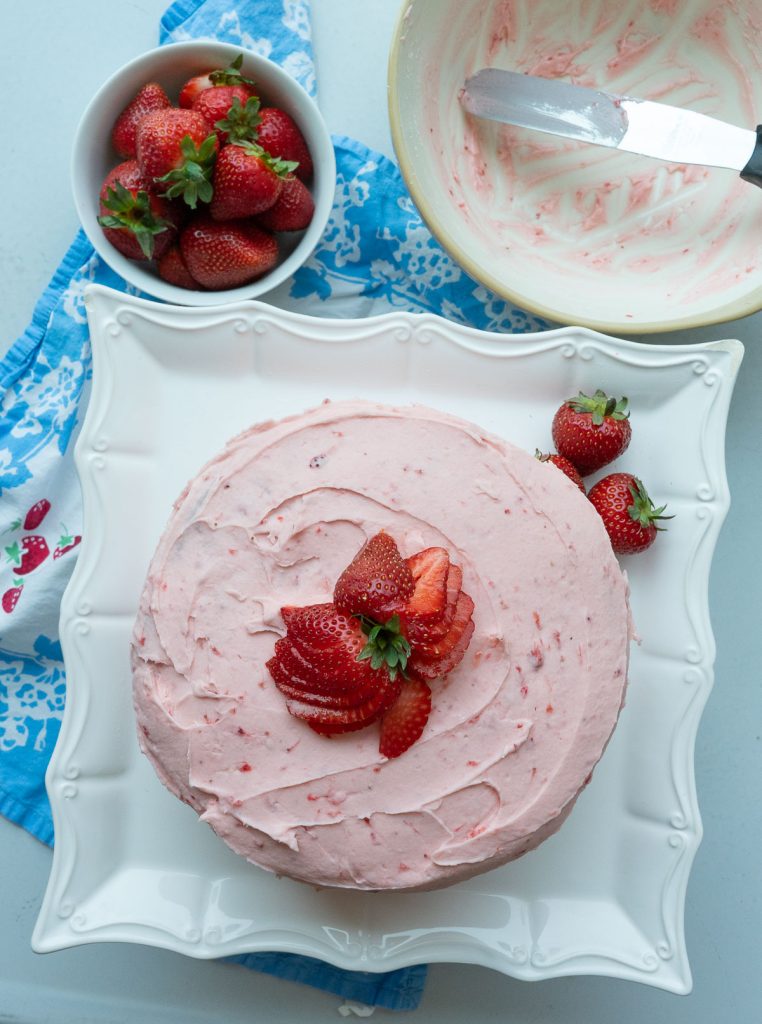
(619, 122)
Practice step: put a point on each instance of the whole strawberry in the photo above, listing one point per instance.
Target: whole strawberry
(292, 210)
(592, 431)
(228, 254)
(279, 134)
(247, 181)
(123, 135)
(627, 512)
(232, 111)
(138, 223)
(564, 465)
(177, 148)
(230, 75)
(172, 269)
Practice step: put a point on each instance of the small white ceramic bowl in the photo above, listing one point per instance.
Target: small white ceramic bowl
(578, 233)
(171, 66)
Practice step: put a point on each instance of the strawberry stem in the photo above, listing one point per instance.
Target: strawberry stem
(600, 406)
(386, 646)
(240, 123)
(642, 510)
(192, 179)
(133, 213)
(231, 75)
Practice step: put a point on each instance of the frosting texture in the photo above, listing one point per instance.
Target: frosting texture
(515, 730)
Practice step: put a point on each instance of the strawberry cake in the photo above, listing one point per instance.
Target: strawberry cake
(356, 542)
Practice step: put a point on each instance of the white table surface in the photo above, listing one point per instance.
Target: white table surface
(68, 50)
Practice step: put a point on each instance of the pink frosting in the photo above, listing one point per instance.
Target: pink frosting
(514, 732)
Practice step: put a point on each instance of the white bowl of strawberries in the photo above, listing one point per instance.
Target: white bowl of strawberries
(203, 174)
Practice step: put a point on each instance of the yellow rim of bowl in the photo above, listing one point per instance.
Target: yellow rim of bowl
(732, 311)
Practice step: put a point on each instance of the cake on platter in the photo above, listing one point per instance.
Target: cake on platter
(379, 648)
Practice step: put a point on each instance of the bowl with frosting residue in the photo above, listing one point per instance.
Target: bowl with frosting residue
(579, 233)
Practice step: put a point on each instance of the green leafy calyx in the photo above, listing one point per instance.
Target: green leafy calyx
(386, 645)
(642, 510)
(280, 167)
(241, 122)
(600, 406)
(132, 212)
(231, 75)
(192, 178)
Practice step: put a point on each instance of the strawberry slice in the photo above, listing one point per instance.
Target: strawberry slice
(436, 659)
(429, 569)
(295, 687)
(404, 722)
(377, 581)
(329, 720)
(334, 677)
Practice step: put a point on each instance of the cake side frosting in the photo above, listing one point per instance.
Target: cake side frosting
(514, 731)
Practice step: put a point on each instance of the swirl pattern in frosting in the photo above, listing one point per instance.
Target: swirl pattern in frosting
(515, 730)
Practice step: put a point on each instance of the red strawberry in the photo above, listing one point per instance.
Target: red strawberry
(11, 596)
(293, 209)
(246, 181)
(177, 148)
(232, 110)
(331, 677)
(404, 722)
(65, 543)
(627, 512)
(136, 222)
(36, 514)
(427, 631)
(151, 97)
(230, 75)
(31, 554)
(172, 268)
(279, 134)
(438, 657)
(564, 465)
(377, 581)
(430, 570)
(226, 255)
(591, 432)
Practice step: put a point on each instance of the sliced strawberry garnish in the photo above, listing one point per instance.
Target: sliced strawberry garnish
(336, 673)
(429, 569)
(425, 632)
(423, 668)
(436, 659)
(376, 583)
(344, 680)
(330, 720)
(322, 626)
(404, 722)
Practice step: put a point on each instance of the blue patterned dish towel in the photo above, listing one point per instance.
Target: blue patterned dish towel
(375, 255)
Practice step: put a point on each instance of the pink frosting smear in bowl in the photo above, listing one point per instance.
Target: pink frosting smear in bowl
(588, 234)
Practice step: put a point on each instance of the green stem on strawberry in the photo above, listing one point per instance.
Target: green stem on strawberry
(231, 75)
(274, 163)
(386, 645)
(642, 510)
(132, 212)
(192, 179)
(600, 406)
(241, 122)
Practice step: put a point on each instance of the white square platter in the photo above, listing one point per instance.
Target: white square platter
(131, 863)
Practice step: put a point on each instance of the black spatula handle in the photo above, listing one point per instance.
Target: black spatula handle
(753, 170)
